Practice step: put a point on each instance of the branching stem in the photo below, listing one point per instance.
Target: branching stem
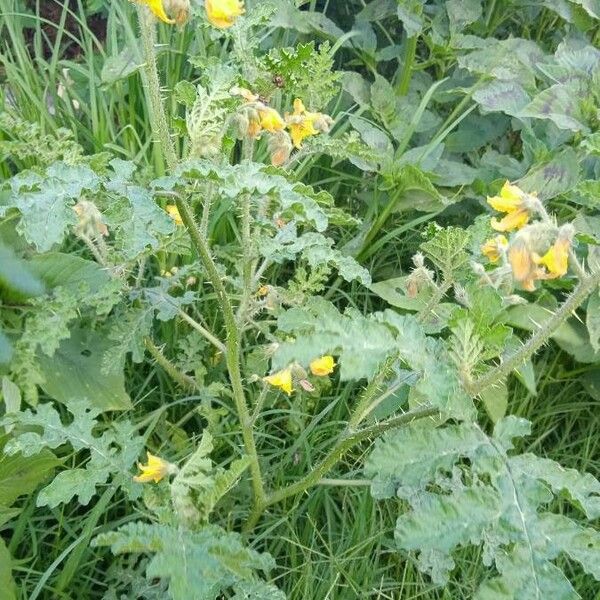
(232, 343)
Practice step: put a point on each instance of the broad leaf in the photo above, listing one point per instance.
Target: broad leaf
(74, 373)
(199, 565)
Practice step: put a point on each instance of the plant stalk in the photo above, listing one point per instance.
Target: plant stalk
(346, 441)
(185, 381)
(232, 343)
(158, 118)
(539, 338)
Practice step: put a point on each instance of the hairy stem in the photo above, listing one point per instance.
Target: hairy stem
(217, 343)
(158, 118)
(437, 297)
(346, 441)
(232, 346)
(539, 338)
(185, 381)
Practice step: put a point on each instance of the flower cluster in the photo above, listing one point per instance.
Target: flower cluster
(284, 379)
(537, 251)
(256, 117)
(222, 14)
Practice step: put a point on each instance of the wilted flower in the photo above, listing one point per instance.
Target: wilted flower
(512, 201)
(254, 129)
(245, 93)
(322, 366)
(495, 247)
(522, 262)
(90, 221)
(180, 9)
(280, 146)
(223, 13)
(282, 379)
(174, 214)
(155, 470)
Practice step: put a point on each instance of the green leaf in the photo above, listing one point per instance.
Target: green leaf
(410, 13)
(21, 475)
(11, 394)
(111, 454)
(46, 203)
(572, 336)
(74, 373)
(257, 590)
(495, 400)
(6, 350)
(122, 65)
(17, 281)
(364, 343)
(295, 201)
(446, 249)
(508, 97)
(582, 489)
(69, 272)
(560, 103)
(415, 190)
(7, 583)
(198, 485)
(462, 13)
(592, 320)
(463, 488)
(200, 564)
(557, 176)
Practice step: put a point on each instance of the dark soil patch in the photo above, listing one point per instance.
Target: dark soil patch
(51, 15)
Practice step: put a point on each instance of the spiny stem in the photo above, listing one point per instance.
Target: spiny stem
(232, 346)
(217, 343)
(439, 293)
(539, 338)
(347, 440)
(158, 118)
(185, 381)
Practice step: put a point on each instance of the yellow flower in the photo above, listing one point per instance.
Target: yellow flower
(155, 470)
(513, 220)
(494, 248)
(174, 214)
(510, 199)
(322, 366)
(156, 6)
(301, 123)
(223, 13)
(282, 379)
(556, 260)
(271, 120)
(512, 202)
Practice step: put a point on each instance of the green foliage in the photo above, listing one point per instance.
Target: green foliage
(200, 564)
(364, 343)
(198, 486)
(121, 315)
(497, 498)
(109, 455)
